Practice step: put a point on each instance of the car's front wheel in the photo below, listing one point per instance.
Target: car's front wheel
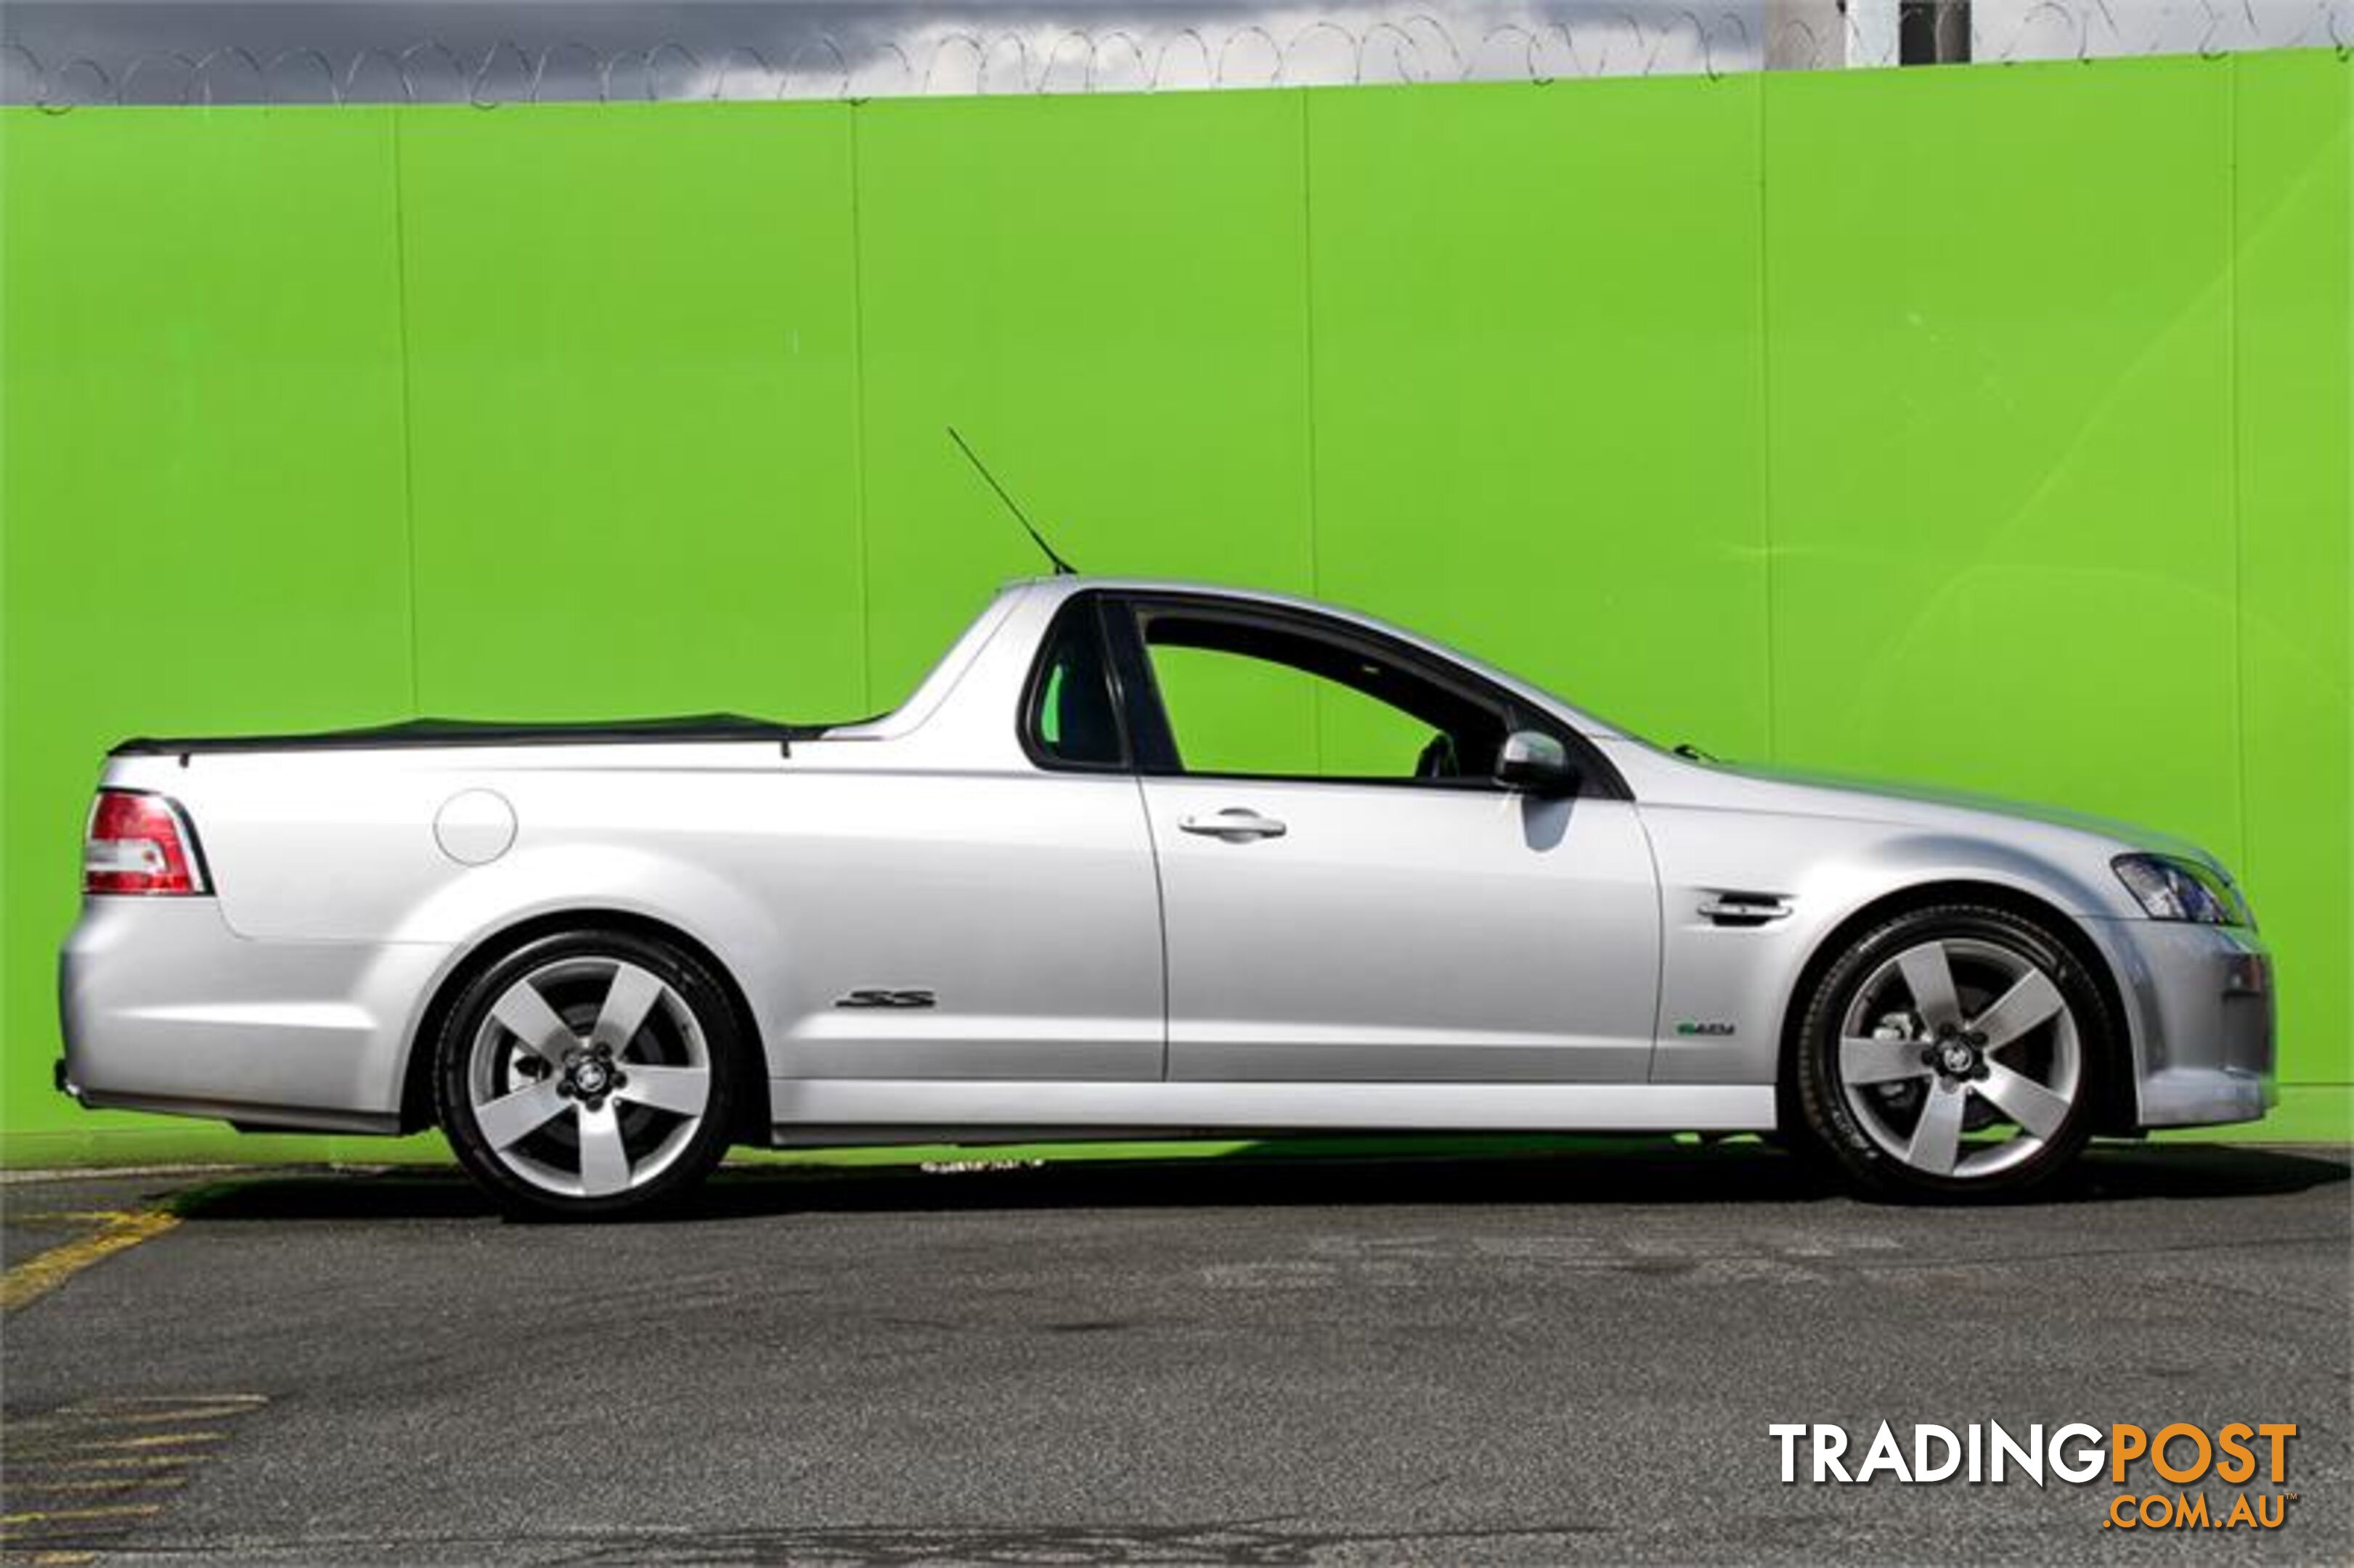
(589, 1073)
(1952, 1051)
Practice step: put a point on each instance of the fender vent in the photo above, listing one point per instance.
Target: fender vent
(1741, 910)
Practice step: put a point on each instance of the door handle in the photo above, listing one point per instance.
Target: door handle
(1235, 824)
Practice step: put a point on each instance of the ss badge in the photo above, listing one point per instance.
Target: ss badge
(873, 996)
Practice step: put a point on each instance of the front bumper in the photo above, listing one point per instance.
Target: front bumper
(167, 1009)
(2203, 1015)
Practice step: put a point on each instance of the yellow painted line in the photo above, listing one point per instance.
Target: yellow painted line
(79, 1419)
(117, 1229)
(153, 1440)
(72, 1216)
(138, 1462)
(160, 1440)
(124, 1484)
(74, 1515)
(116, 1401)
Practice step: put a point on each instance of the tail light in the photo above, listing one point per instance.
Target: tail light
(140, 843)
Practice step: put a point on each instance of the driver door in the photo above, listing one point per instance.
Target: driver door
(1347, 894)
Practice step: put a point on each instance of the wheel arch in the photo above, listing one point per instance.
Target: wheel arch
(417, 1067)
(2117, 1110)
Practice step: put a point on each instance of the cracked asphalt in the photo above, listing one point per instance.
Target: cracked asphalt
(1566, 1357)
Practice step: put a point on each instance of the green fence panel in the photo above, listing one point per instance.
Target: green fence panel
(2291, 378)
(1110, 305)
(1999, 319)
(204, 499)
(632, 337)
(1538, 400)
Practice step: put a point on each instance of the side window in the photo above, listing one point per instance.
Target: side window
(1071, 720)
(1247, 696)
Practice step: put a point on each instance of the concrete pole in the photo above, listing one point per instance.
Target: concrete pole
(1804, 35)
(1871, 33)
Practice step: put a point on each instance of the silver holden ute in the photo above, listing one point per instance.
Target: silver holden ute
(1143, 859)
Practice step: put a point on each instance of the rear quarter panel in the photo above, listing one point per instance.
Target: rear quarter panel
(844, 866)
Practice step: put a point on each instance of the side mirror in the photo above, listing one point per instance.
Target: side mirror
(1534, 762)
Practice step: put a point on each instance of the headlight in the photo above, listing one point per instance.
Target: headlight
(2170, 889)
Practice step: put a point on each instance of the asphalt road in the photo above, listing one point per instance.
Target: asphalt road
(1525, 1360)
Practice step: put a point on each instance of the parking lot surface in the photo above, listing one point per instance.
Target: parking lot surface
(1567, 1356)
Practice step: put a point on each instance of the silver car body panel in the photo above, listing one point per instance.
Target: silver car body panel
(1403, 935)
(1395, 958)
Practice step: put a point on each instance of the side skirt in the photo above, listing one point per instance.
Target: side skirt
(887, 1110)
(246, 1117)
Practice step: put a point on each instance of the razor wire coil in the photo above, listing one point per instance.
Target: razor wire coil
(1409, 48)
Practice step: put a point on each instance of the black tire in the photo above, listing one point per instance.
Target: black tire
(1854, 1128)
(676, 1150)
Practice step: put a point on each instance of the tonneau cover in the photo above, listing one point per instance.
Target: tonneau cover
(442, 732)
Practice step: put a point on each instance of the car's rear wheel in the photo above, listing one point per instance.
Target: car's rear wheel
(589, 1073)
(1952, 1053)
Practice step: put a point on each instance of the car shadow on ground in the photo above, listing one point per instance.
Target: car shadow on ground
(1614, 1173)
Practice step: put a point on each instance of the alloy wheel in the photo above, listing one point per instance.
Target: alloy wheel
(589, 1076)
(1960, 1057)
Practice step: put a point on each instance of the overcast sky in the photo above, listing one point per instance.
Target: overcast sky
(390, 50)
(823, 46)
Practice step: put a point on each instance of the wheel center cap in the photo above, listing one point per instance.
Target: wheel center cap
(590, 1076)
(1957, 1057)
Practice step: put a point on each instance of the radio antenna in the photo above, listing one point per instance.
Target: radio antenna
(1063, 569)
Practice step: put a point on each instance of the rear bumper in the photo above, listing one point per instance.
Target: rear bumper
(2203, 1005)
(165, 1009)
